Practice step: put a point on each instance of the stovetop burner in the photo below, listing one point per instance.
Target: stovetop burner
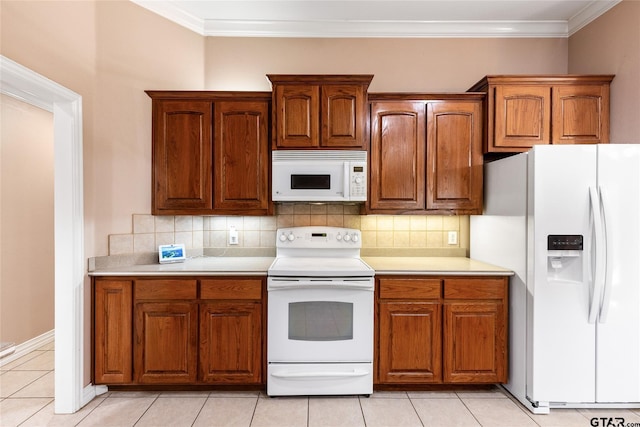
(319, 251)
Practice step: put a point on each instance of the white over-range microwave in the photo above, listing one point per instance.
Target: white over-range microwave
(319, 176)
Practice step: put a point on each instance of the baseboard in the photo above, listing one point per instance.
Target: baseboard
(28, 346)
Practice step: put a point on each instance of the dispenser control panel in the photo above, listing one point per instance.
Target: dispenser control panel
(564, 242)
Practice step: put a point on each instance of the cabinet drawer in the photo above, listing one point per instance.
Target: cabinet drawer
(165, 289)
(392, 288)
(475, 288)
(244, 289)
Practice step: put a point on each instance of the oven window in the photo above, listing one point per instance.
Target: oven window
(320, 321)
(310, 182)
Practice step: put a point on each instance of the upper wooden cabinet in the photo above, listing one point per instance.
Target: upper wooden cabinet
(524, 110)
(320, 111)
(210, 153)
(181, 155)
(426, 154)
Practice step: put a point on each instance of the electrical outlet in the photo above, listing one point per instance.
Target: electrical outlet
(233, 236)
(453, 238)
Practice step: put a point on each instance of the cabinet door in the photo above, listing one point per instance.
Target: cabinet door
(409, 342)
(113, 331)
(474, 342)
(522, 116)
(343, 116)
(397, 161)
(580, 114)
(231, 342)
(454, 156)
(241, 160)
(181, 155)
(297, 116)
(165, 350)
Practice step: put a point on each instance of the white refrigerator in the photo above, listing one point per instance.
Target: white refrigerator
(566, 220)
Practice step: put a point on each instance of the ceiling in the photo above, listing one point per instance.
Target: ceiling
(390, 18)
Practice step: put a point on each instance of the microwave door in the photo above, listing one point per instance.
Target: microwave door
(308, 181)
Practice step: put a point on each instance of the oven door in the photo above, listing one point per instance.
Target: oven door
(320, 320)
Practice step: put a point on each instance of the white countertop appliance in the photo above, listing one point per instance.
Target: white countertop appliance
(319, 175)
(320, 314)
(566, 219)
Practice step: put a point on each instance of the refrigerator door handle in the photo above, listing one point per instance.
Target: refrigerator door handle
(606, 294)
(598, 276)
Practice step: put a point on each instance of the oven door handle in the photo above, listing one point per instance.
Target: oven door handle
(328, 374)
(324, 284)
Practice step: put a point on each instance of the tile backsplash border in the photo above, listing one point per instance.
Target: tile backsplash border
(421, 233)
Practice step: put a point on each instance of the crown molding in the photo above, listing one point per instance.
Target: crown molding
(378, 29)
(388, 29)
(169, 10)
(590, 13)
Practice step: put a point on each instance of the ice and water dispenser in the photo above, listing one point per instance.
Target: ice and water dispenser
(565, 257)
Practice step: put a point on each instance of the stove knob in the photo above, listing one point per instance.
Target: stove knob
(291, 237)
(347, 238)
(339, 237)
(355, 237)
(283, 237)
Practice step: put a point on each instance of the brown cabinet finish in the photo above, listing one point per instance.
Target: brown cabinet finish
(210, 153)
(474, 350)
(320, 111)
(297, 116)
(454, 156)
(585, 114)
(165, 348)
(397, 160)
(113, 331)
(181, 155)
(527, 110)
(441, 330)
(426, 154)
(475, 330)
(410, 342)
(241, 156)
(231, 342)
(179, 330)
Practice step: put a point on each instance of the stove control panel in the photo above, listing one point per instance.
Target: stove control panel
(318, 237)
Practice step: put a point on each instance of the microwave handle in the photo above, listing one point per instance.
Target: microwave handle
(346, 181)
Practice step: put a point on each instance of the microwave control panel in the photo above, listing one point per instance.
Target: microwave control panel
(357, 181)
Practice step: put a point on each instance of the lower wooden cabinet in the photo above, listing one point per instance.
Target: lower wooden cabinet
(442, 330)
(165, 350)
(410, 347)
(230, 343)
(112, 331)
(204, 330)
(170, 331)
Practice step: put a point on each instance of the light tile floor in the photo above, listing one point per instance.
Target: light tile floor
(26, 399)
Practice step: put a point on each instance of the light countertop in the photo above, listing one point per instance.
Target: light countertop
(201, 266)
(434, 266)
(258, 266)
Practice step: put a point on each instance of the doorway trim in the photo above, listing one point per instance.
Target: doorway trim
(70, 266)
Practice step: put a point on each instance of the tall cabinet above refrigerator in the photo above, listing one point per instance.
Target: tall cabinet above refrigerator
(566, 219)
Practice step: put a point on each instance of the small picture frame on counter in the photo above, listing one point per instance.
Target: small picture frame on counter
(171, 253)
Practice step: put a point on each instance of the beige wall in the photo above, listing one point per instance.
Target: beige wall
(26, 221)
(611, 45)
(419, 65)
(109, 52)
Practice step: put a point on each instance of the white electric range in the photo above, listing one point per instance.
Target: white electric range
(320, 314)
